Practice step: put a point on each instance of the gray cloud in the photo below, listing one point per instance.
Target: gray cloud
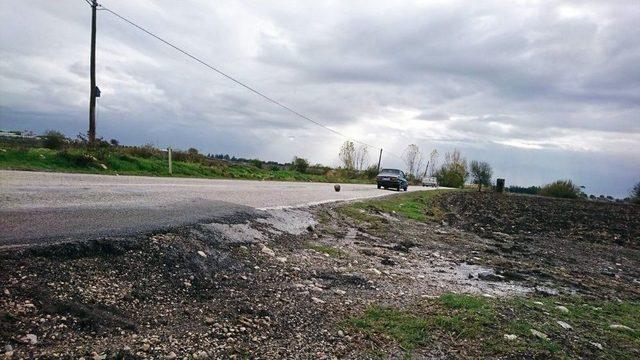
(541, 89)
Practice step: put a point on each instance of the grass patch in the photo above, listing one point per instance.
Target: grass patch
(123, 163)
(329, 250)
(476, 326)
(415, 205)
(407, 329)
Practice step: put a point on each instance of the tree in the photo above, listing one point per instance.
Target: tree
(300, 164)
(481, 172)
(54, 140)
(361, 157)
(433, 162)
(635, 193)
(453, 173)
(114, 142)
(348, 155)
(413, 159)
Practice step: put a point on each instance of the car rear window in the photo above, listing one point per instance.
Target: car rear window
(390, 171)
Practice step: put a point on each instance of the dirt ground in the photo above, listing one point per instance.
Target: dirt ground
(296, 283)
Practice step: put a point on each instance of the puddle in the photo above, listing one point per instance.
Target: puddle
(289, 221)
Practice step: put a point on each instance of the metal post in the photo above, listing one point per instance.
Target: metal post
(92, 96)
(379, 159)
(170, 163)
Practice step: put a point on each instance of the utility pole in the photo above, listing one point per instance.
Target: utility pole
(379, 159)
(92, 98)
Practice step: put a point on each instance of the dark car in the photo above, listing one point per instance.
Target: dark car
(392, 178)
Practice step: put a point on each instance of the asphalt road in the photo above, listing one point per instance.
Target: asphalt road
(39, 207)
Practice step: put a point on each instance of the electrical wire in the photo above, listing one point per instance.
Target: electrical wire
(229, 77)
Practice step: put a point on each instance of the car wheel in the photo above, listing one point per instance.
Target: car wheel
(379, 186)
(405, 188)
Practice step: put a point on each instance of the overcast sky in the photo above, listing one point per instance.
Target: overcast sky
(542, 90)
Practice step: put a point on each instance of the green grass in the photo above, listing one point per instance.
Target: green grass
(407, 329)
(477, 325)
(329, 250)
(414, 205)
(77, 161)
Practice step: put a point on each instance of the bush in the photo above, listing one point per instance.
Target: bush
(561, 189)
(371, 172)
(146, 151)
(531, 190)
(256, 162)
(635, 193)
(300, 164)
(449, 178)
(54, 140)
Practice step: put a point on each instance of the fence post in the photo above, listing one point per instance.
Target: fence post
(170, 163)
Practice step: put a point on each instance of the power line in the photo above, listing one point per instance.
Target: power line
(253, 90)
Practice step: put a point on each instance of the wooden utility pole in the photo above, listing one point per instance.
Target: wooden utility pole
(92, 96)
(379, 159)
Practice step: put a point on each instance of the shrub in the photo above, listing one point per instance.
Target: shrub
(635, 193)
(561, 189)
(449, 178)
(146, 151)
(300, 164)
(79, 159)
(54, 140)
(531, 190)
(256, 162)
(371, 172)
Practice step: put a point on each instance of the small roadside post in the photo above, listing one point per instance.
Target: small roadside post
(379, 159)
(500, 185)
(170, 164)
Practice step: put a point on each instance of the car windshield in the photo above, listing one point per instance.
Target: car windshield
(390, 171)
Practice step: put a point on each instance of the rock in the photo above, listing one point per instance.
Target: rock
(201, 253)
(172, 356)
(202, 354)
(8, 348)
(339, 292)
(539, 334)
(317, 301)
(186, 284)
(30, 338)
(6, 292)
(562, 309)
(539, 303)
(620, 327)
(266, 250)
(310, 228)
(596, 345)
(375, 271)
(103, 166)
(99, 356)
(340, 333)
(545, 291)
(564, 325)
(145, 347)
(336, 187)
(282, 259)
(490, 276)
(510, 337)
(209, 320)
